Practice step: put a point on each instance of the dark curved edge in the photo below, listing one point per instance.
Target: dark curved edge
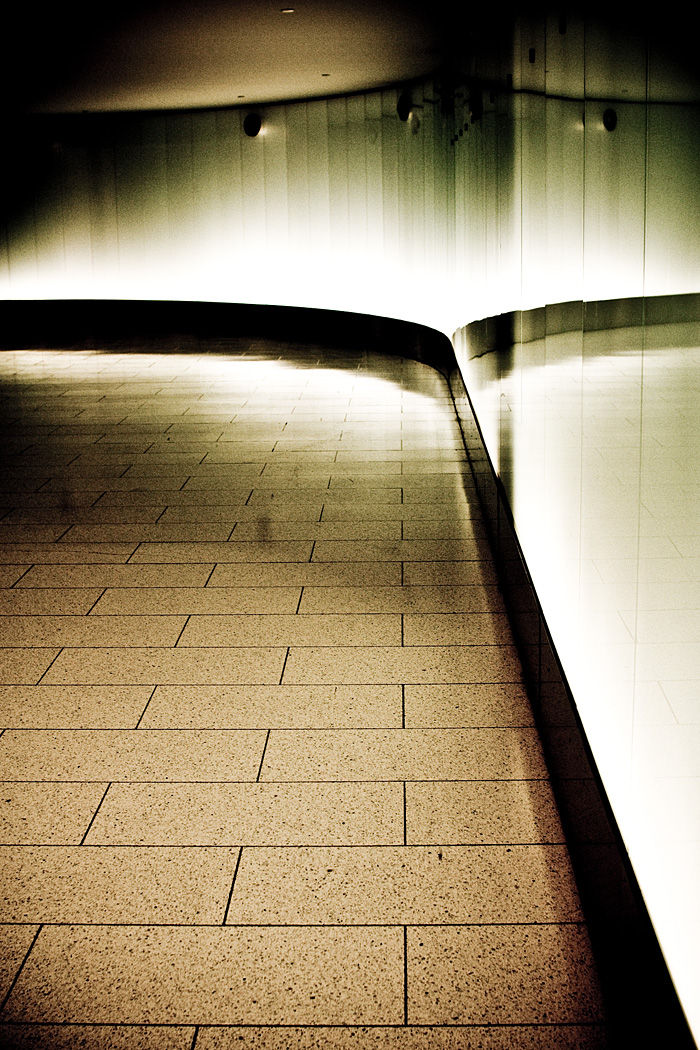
(499, 334)
(641, 1001)
(642, 1004)
(162, 326)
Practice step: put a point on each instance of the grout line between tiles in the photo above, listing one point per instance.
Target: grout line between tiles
(262, 758)
(181, 632)
(320, 925)
(286, 657)
(146, 707)
(405, 975)
(405, 842)
(28, 569)
(194, 1037)
(5, 999)
(301, 594)
(92, 819)
(278, 780)
(233, 883)
(47, 669)
(101, 595)
(286, 846)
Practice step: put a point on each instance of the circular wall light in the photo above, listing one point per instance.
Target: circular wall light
(404, 106)
(610, 120)
(252, 124)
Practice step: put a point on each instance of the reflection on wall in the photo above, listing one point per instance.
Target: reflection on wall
(562, 168)
(597, 436)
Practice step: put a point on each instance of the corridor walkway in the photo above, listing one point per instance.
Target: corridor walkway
(271, 777)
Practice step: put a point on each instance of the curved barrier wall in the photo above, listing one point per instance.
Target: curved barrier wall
(552, 174)
(593, 517)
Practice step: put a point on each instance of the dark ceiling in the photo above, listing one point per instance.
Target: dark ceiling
(216, 53)
(174, 54)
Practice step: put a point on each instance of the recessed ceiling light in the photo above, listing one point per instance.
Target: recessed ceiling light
(287, 10)
(325, 74)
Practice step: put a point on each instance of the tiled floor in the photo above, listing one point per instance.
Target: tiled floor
(271, 775)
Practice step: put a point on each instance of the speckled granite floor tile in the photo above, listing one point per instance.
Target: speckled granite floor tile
(271, 777)
(234, 975)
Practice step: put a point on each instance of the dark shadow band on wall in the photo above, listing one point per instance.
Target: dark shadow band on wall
(167, 327)
(643, 1006)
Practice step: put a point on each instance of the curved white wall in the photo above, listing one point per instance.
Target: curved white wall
(339, 204)
(335, 204)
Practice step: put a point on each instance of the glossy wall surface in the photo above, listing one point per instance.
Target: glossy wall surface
(599, 446)
(588, 410)
(557, 170)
